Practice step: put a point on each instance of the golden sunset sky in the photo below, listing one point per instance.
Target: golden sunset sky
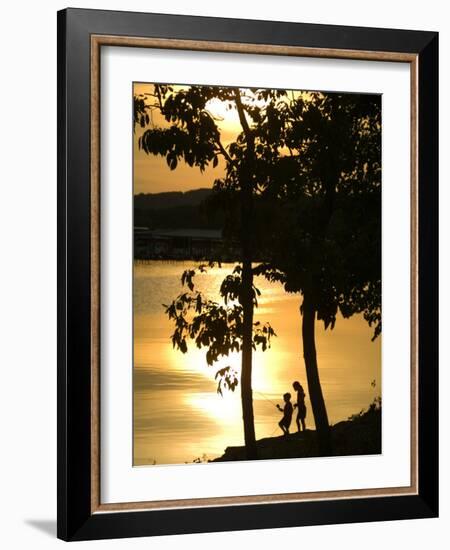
(151, 173)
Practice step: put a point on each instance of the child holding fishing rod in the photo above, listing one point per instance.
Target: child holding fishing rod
(287, 411)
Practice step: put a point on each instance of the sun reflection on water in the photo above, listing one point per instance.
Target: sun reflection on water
(178, 414)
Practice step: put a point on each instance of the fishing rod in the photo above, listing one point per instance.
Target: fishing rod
(266, 398)
(272, 403)
(275, 429)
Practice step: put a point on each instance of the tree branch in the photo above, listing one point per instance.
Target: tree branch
(224, 151)
(218, 142)
(243, 118)
(158, 94)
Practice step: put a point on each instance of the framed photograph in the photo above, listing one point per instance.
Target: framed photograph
(247, 255)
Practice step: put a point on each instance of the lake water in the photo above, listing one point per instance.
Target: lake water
(178, 415)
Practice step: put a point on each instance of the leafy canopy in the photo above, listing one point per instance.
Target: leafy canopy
(218, 327)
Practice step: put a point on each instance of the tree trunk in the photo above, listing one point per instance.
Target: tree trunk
(312, 373)
(246, 299)
(246, 369)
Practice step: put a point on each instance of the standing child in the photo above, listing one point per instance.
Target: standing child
(301, 407)
(285, 422)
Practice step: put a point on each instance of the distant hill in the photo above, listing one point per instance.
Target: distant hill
(175, 209)
(171, 199)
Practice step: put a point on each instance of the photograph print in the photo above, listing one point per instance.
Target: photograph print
(256, 274)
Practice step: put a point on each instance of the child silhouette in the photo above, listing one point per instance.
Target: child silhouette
(287, 410)
(301, 407)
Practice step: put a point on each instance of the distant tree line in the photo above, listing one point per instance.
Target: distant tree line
(176, 210)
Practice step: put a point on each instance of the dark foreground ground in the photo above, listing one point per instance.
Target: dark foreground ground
(359, 436)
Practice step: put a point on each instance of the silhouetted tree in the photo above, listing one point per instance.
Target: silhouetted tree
(194, 137)
(324, 192)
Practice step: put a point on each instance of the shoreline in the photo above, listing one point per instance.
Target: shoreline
(360, 435)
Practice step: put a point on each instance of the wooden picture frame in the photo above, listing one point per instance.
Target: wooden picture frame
(81, 35)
